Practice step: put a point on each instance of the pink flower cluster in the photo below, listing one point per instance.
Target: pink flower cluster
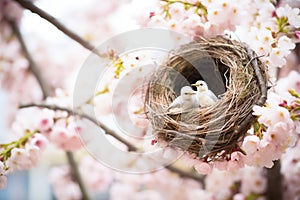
(96, 177)
(26, 157)
(156, 185)
(245, 183)
(208, 18)
(12, 63)
(271, 32)
(290, 159)
(268, 144)
(99, 179)
(238, 184)
(277, 130)
(15, 78)
(233, 161)
(63, 185)
(58, 127)
(21, 154)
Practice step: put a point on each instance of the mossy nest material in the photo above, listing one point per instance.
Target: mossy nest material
(231, 70)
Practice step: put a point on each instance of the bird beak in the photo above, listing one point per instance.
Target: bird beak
(192, 93)
(195, 84)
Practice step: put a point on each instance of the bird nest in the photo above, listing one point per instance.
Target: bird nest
(232, 71)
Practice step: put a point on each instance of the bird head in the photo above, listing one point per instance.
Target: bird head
(187, 91)
(201, 86)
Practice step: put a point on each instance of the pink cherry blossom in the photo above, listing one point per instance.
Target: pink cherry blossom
(24, 158)
(279, 114)
(236, 161)
(157, 21)
(253, 181)
(291, 13)
(3, 181)
(46, 120)
(216, 185)
(221, 165)
(239, 196)
(96, 176)
(286, 43)
(251, 144)
(177, 10)
(203, 168)
(63, 185)
(3, 178)
(66, 136)
(280, 135)
(292, 80)
(121, 191)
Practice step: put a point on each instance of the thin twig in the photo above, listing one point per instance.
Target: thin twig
(76, 175)
(185, 174)
(108, 131)
(260, 78)
(82, 115)
(34, 9)
(46, 92)
(274, 180)
(32, 65)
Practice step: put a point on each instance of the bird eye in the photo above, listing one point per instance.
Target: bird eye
(201, 84)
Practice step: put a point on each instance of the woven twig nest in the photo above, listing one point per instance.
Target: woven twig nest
(232, 71)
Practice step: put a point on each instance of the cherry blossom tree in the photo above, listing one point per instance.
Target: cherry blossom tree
(39, 74)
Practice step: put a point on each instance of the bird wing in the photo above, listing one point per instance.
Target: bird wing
(195, 102)
(176, 106)
(212, 95)
(176, 103)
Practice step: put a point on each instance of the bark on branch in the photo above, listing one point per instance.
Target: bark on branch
(34, 9)
(131, 147)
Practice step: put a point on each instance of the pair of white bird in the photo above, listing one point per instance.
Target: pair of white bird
(189, 99)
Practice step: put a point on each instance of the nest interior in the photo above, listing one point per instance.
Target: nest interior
(230, 69)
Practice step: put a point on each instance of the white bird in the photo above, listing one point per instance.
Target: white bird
(187, 100)
(205, 97)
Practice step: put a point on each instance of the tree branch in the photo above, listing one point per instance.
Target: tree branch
(186, 174)
(32, 65)
(93, 120)
(108, 131)
(76, 175)
(274, 180)
(34, 9)
(46, 92)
